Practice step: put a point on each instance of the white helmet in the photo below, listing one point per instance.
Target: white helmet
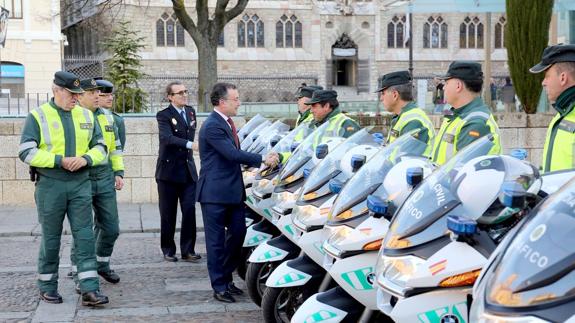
(395, 183)
(480, 181)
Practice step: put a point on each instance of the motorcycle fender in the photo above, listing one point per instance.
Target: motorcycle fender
(312, 244)
(254, 237)
(285, 276)
(312, 311)
(384, 301)
(447, 262)
(287, 228)
(444, 305)
(356, 275)
(253, 205)
(266, 253)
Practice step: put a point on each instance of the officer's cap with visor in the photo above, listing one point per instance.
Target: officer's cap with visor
(391, 79)
(89, 84)
(105, 86)
(322, 96)
(463, 70)
(307, 91)
(69, 81)
(554, 54)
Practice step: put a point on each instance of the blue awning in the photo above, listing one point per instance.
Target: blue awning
(12, 71)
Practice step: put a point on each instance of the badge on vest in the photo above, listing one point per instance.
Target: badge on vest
(109, 128)
(449, 138)
(86, 126)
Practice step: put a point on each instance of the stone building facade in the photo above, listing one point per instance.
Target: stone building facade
(342, 43)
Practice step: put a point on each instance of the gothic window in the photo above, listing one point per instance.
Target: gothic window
(471, 33)
(288, 32)
(435, 33)
(500, 33)
(395, 32)
(250, 31)
(15, 8)
(169, 31)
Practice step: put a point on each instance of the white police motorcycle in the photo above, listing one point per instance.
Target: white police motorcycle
(531, 276)
(339, 165)
(433, 252)
(250, 126)
(358, 222)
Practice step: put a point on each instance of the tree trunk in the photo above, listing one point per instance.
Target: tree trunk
(526, 36)
(207, 72)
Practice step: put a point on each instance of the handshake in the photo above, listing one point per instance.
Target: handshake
(272, 159)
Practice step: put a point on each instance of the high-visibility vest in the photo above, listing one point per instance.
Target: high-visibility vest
(407, 117)
(52, 139)
(110, 134)
(445, 145)
(559, 149)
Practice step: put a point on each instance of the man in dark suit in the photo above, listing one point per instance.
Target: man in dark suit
(176, 173)
(221, 190)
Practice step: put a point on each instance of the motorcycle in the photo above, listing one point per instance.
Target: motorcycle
(250, 126)
(530, 277)
(335, 166)
(433, 253)
(358, 221)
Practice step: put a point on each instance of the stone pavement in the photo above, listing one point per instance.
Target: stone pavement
(151, 290)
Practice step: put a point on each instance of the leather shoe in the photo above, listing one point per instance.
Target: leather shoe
(94, 298)
(170, 258)
(234, 290)
(225, 297)
(110, 276)
(51, 297)
(191, 257)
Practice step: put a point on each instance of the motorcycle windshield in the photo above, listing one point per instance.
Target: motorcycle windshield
(304, 152)
(252, 136)
(252, 124)
(299, 133)
(331, 166)
(261, 144)
(538, 266)
(351, 202)
(421, 218)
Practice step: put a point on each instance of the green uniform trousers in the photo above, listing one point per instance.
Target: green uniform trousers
(56, 198)
(106, 222)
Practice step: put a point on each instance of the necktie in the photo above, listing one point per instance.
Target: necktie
(234, 132)
(183, 114)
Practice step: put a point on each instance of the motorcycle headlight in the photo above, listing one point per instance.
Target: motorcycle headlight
(338, 234)
(263, 183)
(478, 314)
(249, 174)
(394, 272)
(284, 196)
(309, 216)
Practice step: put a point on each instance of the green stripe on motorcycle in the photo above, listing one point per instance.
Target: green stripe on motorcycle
(320, 316)
(249, 200)
(319, 247)
(358, 278)
(437, 315)
(290, 278)
(258, 239)
(267, 213)
(289, 229)
(269, 254)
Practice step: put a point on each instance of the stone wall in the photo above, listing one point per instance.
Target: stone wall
(517, 131)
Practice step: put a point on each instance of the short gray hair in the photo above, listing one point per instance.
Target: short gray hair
(405, 91)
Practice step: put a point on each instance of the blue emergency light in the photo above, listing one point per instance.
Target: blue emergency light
(321, 151)
(357, 161)
(294, 146)
(335, 186)
(512, 195)
(520, 154)
(414, 176)
(306, 172)
(378, 137)
(377, 205)
(461, 225)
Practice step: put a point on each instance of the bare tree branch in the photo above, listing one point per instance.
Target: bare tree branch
(236, 10)
(185, 20)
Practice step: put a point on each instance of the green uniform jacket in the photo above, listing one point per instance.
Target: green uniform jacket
(559, 149)
(306, 116)
(348, 127)
(411, 125)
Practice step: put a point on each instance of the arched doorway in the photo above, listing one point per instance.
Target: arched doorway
(344, 62)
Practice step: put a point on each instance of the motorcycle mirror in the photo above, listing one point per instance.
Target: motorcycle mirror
(461, 225)
(519, 153)
(414, 176)
(513, 195)
(378, 206)
(294, 146)
(321, 151)
(357, 161)
(335, 185)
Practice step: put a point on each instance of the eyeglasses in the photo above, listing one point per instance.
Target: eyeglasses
(184, 92)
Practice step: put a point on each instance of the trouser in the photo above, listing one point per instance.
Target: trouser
(168, 195)
(225, 229)
(106, 221)
(55, 199)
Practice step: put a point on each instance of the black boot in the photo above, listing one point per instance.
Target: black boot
(51, 297)
(110, 276)
(94, 298)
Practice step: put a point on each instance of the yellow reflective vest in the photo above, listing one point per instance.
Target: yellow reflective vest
(559, 149)
(111, 138)
(412, 114)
